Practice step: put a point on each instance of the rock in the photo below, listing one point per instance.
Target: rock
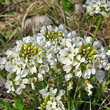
(36, 22)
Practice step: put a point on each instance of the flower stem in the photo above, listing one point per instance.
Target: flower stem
(65, 19)
(68, 99)
(99, 22)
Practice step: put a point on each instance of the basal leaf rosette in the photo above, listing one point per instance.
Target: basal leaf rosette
(101, 7)
(81, 58)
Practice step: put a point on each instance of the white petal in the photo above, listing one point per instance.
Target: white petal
(78, 72)
(33, 86)
(68, 77)
(67, 68)
(2, 60)
(97, 45)
(40, 77)
(88, 40)
(108, 52)
(93, 71)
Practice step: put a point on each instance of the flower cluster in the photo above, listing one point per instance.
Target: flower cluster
(82, 58)
(53, 50)
(97, 7)
(26, 63)
(52, 101)
(32, 58)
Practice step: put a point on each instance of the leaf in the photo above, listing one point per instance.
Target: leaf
(9, 106)
(3, 74)
(8, 34)
(30, 108)
(3, 43)
(2, 103)
(1, 1)
(19, 103)
(7, 2)
(67, 5)
(104, 85)
(98, 94)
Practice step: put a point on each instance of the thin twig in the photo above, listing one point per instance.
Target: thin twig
(25, 15)
(102, 104)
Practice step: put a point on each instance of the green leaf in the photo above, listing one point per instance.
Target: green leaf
(9, 106)
(67, 5)
(3, 43)
(8, 34)
(1, 1)
(104, 85)
(19, 103)
(30, 108)
(7, 2)
(3, 74)
(98, 94)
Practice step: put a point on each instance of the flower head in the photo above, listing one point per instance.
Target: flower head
(98, 7)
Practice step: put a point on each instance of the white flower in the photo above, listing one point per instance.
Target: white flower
(43, 69)
(2, 62)
(21, 82)
(78, 61)
(89, 87)
(50, 105)
(108, 53)
(68, 77)
(62, 92)
(67, 68)
(44, 92)
(78, 72)
(40, 77)
(70, 86)
(18, 91)
(90, 69)
(32, 67)
(32, 81)
(53, 91)
(88, 40)
(10, 67)
(9, 86)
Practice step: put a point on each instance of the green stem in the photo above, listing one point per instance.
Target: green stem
(99, 22)
(65, 19)
(68, 99)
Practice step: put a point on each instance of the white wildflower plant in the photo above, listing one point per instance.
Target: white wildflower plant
(55, 58)
(101, 7)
